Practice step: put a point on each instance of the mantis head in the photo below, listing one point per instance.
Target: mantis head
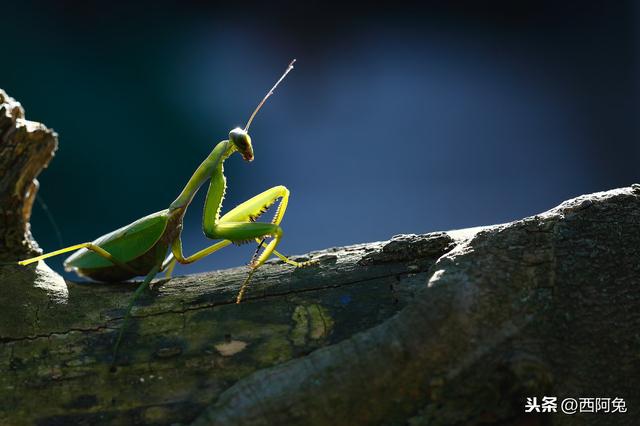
(240, 137)
(242, 141)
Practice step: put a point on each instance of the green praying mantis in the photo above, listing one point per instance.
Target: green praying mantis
(140, 248)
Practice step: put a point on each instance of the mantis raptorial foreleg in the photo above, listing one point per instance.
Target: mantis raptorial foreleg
(255, 206)
(237, 225)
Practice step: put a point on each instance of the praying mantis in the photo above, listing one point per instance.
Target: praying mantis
(140, 248)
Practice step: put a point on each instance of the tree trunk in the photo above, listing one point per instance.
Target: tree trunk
(445, 328)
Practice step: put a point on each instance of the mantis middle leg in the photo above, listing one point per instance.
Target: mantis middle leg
(168, 265)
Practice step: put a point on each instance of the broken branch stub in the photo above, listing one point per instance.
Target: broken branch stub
(26, 147)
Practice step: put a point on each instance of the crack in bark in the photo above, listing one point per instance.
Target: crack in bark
(199, 307)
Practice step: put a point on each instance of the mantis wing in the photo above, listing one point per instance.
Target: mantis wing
(125, 244)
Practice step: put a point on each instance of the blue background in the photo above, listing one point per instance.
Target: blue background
(399, 118)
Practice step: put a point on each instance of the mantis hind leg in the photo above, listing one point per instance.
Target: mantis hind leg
(141, 288)
(89, 246)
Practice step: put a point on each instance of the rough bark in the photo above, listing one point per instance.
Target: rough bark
(549, 305)
(444, 328)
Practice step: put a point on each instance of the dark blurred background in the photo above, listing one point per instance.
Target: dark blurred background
(404, 118)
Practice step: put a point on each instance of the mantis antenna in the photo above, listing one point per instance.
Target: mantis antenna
(269, 93)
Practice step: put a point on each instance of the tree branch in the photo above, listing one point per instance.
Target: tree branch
(444, 328)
